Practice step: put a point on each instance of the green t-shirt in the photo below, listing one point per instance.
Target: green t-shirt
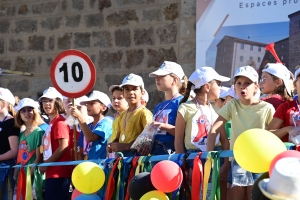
(27, 146)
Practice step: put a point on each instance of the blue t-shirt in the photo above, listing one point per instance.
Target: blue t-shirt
(98, 148)
(168, 116)
(44, 126)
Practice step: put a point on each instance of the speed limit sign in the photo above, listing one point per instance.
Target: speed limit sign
(73, 73)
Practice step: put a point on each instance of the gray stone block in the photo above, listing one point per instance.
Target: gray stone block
(51, 42)
(103, 4)
(171, 12)
(114, 79)
(152, 15)
(40, 84)
(36, 43)
(121, 18)
(26, 26)
(25, 64)
(94, 20)
(144, 36)
(92, 3)
(167, 33)
(78, 4)
(2, 11)
(51, 23)
(4, 26)
(64, 5)
(44, 8)
(2, 45)
(18, 86)
(155, 97)
(187, 50)
(93, 58)
(151, 1)
(5, 63)
(49, 62)
(130, 2)
(64, 42)
(11, 10)
(110, 60)
(188, 8)
(23, 9)
(102, 39)
(157, 57)
(16, 45)
(123, 38)
(134, 58)
(73, 20)
(82, 40)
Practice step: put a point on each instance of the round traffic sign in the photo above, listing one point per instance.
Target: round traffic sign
(73, 73)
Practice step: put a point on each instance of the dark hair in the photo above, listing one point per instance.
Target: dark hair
(117, 88)
(188, 91)
(222, 99)
(281, 90)
(104, 112)
(58, 105)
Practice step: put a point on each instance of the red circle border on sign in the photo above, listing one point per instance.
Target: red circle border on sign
(91, 65)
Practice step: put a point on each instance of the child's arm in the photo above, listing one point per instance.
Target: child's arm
(218, 127)
(38, 158)
(275, 127)
(179, 134)
(165, 127)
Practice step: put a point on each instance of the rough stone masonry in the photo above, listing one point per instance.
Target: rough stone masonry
(120, 36)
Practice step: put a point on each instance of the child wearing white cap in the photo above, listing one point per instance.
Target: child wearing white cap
(31, 138)
(145, 98)
(133, 121)
(100, 129)
(55, 146)
(169, 78)
(286, 120)
(9, 137)
(275, 83)
(245, 113)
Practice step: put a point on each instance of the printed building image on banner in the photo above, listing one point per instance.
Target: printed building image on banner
(234, 33)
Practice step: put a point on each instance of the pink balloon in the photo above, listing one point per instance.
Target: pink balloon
(285, 154)
(166, 176)
(75, 194)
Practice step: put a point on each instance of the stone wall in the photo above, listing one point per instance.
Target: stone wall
(294, 40)
(120, 36)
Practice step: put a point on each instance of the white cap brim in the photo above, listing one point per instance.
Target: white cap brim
(111, 88)
(159, 73)
(222, 78)
(137, 85)
(263, 188)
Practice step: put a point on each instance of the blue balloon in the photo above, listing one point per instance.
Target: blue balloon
(88, 197)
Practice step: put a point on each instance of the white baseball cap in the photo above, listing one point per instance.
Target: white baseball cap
(168, 68)
(133, 79)
(297, 72)
(6, 95)
(231, 93)
(51, 93)
(26, 102)
(145, 97)
(223, 92)
(111, 88)
(100, 96)
(248, 72)
(78, 100)
(280, 71)
(204, 75)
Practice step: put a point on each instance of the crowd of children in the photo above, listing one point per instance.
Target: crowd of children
(211, 119)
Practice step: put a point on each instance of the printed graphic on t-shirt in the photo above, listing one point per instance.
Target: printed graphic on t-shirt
(86, 146)
(295, 118)
(46, 142)
(162, 117)
(24, 153)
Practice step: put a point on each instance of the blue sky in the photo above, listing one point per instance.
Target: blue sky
(265, 33)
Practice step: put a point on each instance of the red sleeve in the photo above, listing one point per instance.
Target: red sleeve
(275, 102)
(60, 130)
(281, 111)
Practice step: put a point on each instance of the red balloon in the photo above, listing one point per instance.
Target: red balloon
(166, 176)
(75, 194)
(285, 154)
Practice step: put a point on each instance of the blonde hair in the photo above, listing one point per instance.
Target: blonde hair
(10, 108)
(35, 121)
(181, 84)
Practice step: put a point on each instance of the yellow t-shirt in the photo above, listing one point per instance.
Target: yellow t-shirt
(135, 124)
(244, 117)
(114, 129)
(188, 110)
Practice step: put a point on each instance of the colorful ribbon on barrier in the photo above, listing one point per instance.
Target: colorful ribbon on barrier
(131, 175)
(197, 177)
(207, 169)
(185, 192)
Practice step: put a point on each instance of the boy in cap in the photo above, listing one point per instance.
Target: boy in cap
(99, 130)
(136, 117)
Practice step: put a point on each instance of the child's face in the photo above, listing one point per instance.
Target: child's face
(118, 101)
(133, 94)
(48, 106)
(219, 103)
(164, 83)
(267, 84)
(297, 85)
(245, 88)
(214, 90)
(27, 114)
(94, 107)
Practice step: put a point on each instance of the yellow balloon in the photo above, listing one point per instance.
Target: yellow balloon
(255, 149)
(88, 177)
(154, 195)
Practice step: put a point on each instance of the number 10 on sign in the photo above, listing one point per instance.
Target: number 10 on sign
(73, 73)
